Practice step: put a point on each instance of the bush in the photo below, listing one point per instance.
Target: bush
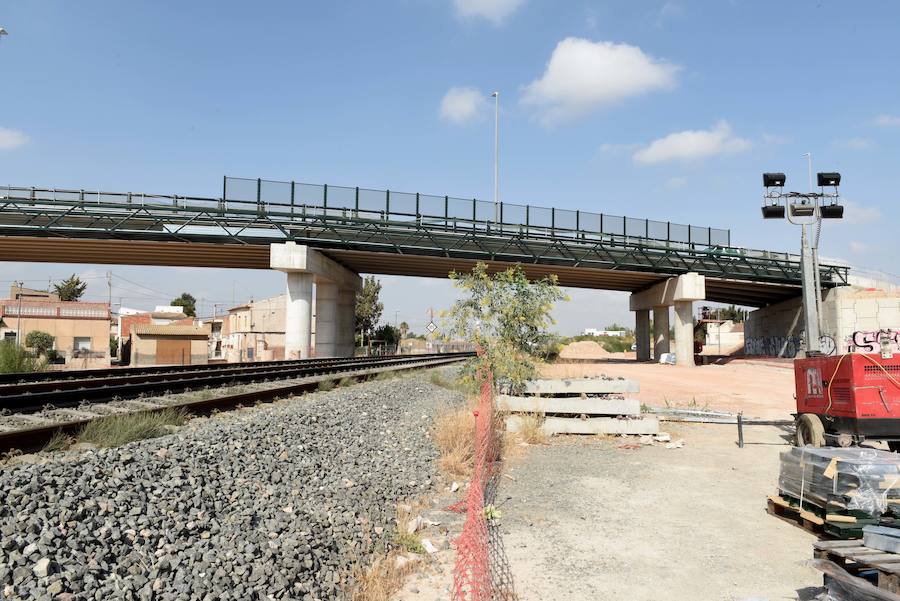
(41, 342)
(116, 430)
(453, 433)
(15, 359)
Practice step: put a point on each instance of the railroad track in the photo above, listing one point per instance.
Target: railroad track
(29, 395)
(122, 384)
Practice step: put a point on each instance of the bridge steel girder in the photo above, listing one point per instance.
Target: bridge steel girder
(748, 277)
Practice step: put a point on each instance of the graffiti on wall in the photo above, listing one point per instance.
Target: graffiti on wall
(785, 346)
(870, 341)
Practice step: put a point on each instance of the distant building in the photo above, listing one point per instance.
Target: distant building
(255, 331)
(158, 344)
(215, 325)
(615, 333)
(723, 337)
(16, 291)
(80, 330)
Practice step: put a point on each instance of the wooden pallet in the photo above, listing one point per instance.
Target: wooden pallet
(843, 525)
(855, 557)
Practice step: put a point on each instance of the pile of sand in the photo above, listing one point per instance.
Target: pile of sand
(583, 349)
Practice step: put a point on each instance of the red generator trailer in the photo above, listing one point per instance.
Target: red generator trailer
(846, 399)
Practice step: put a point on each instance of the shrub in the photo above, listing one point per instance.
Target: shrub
(15, 359)
(116, 430)
(41, 342)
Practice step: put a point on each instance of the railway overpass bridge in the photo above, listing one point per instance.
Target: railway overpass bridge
(327, 235)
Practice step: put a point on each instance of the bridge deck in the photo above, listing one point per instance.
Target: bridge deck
(100, 227)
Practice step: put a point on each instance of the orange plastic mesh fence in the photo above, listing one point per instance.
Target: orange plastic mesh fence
(482, 572)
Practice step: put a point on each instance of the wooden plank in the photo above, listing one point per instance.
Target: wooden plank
(568, 405)
(849, 553)
(826, 545)
(592, 425)
(836, 517)
(580, 386)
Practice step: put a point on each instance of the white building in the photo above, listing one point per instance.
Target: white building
(614, 333)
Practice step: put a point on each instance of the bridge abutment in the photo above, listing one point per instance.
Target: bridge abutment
(313, 278)
(680, 292)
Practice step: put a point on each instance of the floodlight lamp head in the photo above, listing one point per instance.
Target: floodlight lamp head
(832, 211)
(803, 210)
(3, 31)
(773, 212)
(773, 180)
(829, 179)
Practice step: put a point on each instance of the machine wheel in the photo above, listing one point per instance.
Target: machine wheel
(810, 430)
(894, 445)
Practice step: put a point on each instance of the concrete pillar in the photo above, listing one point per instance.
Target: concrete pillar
(642, 334)
(346, 322)
(684, 333)
(335, 301)
(298, 314)
(326, 319)
(660, 331)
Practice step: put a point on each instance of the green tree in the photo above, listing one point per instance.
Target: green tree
(507, 316)
(187, 302)
(41, 342)
(113, 346)
(404, 329)
(70, 289)
(368, 307)
(387, 334)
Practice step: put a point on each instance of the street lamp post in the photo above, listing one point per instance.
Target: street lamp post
(496, 96)
(805, 209)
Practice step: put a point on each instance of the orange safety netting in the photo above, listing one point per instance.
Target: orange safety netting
(481, 572)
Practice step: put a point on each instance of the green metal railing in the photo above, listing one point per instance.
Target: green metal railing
(501, 217)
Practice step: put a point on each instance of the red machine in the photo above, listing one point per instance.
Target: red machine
(847, 399)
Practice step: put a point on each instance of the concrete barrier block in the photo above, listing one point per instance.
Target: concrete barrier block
(580, 386)
(593, 425)
(569, 405)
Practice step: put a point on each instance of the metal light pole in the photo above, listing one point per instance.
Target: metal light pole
(815, 247)
(811, 209)
(496, 96)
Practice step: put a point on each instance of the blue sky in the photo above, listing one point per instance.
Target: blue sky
(666, 110)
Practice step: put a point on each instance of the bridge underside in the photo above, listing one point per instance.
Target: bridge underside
(257, 256)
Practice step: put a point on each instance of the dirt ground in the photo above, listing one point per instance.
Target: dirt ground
(586, 520)
(757, 388)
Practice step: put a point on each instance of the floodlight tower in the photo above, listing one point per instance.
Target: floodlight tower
(805, 209)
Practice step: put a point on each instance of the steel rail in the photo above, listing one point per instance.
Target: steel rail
(81, 374)
(36, 437)
(31, 398)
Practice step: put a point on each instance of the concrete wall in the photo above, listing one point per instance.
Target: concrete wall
(851, 318)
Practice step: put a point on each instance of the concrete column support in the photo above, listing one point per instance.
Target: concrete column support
(660, 331)
(346, 322)
(642, 334)
(684, 333)
(326, 319)
(335, 301)
(298, 314)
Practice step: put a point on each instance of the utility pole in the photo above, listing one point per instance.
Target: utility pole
(19, 315)
(496, 96)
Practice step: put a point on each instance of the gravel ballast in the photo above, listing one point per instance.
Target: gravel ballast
(275, 502)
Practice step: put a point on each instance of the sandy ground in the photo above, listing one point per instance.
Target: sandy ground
(756, 388)
(585, 520)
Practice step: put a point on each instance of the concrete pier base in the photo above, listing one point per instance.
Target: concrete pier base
(684, 333)
(335, 302)
(642, 334)
(660, 331)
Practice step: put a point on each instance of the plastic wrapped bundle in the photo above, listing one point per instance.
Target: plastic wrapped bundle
(859, 479)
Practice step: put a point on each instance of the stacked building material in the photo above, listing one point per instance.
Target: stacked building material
(852, 479)
(579, 406)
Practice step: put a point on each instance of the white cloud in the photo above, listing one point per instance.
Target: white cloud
(582, 76)
(692, 145)
(495, 11)
(676, 183)
(12, 138)
(857, 214)
(858, 247)
(462, 105)
(886, 121)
